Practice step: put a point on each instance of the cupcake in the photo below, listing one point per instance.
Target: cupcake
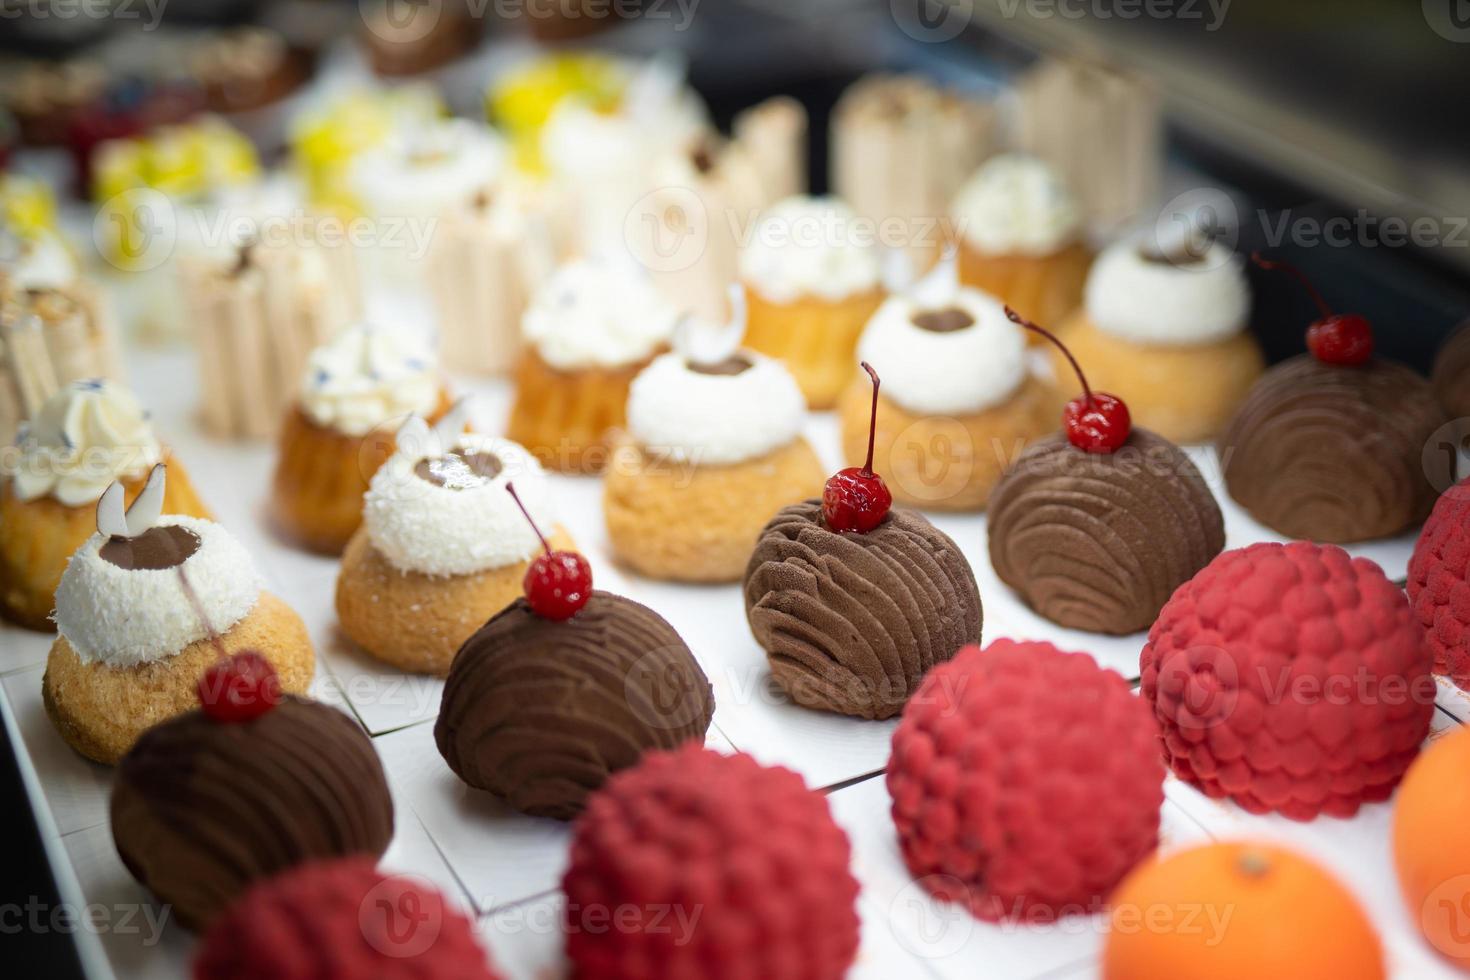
(246, 69)
(1167, 332)
(411, 39)
(442, 546)
(597, 153)
(564, 687)
(589, 331)
(1020, 237)
(1330, 445)
(713, 449)
(145, 607)
(87, 436)
(55, 326)
(249, 784)
(1451, 377)
(959, 402)
(854, 600)
(1096, 526)
(415, 177)
(356, 391)
(811, 288)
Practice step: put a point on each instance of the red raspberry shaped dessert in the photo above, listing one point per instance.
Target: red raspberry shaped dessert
(694, 864)
(1290, 678)
(1026, 781)
(340, 920)
(1439, 583)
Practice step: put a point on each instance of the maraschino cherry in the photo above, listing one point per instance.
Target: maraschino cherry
(239, 688)
(1095, 423)
(856, 499)
(1333, 338)
(558, 583)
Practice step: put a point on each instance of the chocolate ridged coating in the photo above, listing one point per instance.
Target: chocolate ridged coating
(1099, 542)
(540, 712)
(201, 809)
(851, 622)
(1335, 454)
(1451, 378)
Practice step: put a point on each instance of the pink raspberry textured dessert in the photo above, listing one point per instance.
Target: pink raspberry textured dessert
(341, 920)
(733, 869)
(1439, 583)
(1291, 678)
(1026, 781)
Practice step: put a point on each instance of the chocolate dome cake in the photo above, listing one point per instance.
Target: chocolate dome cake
(1099, 542)
(1333, 453)
(203, 808)
(850, 622)
(541, 711)
(1451, 378)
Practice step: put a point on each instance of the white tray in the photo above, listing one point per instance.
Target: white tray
(506, 867)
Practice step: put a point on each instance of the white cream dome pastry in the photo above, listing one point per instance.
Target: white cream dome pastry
(1016, 204)
(86, 436)
(810, 246)
(1149, 299)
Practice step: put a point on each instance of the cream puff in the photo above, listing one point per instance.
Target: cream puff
(957, 405)
(1019, 232)
(442, 547)
(1166, 332)
(590, 329)
(86, 436)
(356, 391)
(713, 448)
(146, 605)
(811, 285)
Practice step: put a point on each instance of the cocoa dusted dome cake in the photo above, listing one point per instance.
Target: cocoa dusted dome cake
(1451, 377)
(252, 784)
(564, 687)
(1329, 445)
(854, 601)
(1096, 526)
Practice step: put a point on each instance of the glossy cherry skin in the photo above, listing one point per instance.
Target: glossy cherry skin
(855, 499)
(1099, 424)
(240, 688)
(1343, 338)
(558, 584)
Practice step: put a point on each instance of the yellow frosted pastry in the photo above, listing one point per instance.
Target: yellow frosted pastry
(86, 436)
(1019, 234)
(356, 392)
(589, 330)
(812, 283)
(1167, 335)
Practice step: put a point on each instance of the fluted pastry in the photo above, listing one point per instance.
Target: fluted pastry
(1099, 542)
(851, 622)
(540, 712)
(1336, 454)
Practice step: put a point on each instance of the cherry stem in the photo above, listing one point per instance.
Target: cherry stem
(193, 597)
(510, 488)
(1274, 265)
(1019, 320)
(872, 418)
